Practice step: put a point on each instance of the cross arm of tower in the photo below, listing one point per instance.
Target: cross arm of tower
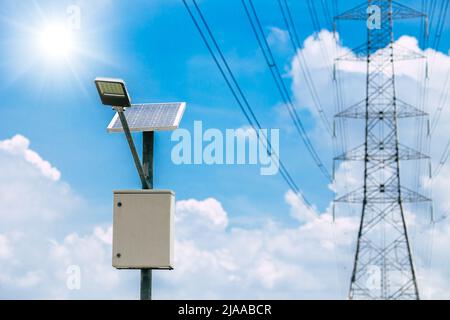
(375, 196)
(358, 111)
(378, 153)
(399, 11)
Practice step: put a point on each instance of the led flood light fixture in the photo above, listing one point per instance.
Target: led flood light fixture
(113, 92)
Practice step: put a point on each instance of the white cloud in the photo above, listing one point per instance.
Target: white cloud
(278, 38)
(92, 254)
(30, 279)
(208, 212)
(310, 258)
(271, 261)
(19, 145)
(299, 209)
(29, 188)
(214, 259)
(5, 249)
(37, 238)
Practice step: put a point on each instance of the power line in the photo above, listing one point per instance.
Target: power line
(240, 98)
(334, 72)
(303, 64)
(443, 160)
(313, 14)
(442, 103)
(423, 88)
(295, 43)
(444, 92)
(424, 99)
(326, 13)
(284, 93)
(431, 10)
(441, 23)
(338, 84)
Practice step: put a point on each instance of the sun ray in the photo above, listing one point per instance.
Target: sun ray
(41, 41)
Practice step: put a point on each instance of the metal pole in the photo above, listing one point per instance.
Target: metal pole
(137, 163)
(147, 157)
(146, 175)
(147, 164)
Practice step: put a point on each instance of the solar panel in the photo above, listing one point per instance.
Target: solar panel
(150, 117)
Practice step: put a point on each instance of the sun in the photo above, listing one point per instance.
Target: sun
(56, 41)
(50, 46)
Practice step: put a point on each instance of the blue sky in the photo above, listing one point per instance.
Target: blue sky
(155, 48)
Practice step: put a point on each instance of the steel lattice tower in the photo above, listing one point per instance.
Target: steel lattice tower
(383, 265)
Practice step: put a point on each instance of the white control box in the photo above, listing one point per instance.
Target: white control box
(143, 229)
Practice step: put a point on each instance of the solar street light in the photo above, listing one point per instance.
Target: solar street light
(145, 118)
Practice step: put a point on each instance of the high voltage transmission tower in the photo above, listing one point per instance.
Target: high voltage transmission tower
(383, 265)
